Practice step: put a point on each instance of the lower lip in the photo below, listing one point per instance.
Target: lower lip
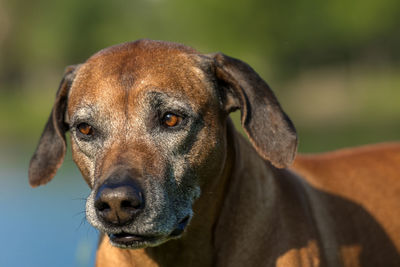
(127, 239)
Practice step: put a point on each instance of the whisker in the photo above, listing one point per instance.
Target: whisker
(79, 198)
(78, 213)
(83, 221)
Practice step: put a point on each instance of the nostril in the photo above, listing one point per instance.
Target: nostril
(126, 204)
(133, 202)
(102, 206)
(130, 204)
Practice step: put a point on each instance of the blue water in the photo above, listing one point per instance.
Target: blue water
(44, 226)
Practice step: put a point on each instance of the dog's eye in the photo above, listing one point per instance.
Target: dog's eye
(171, 120)
(85, 129)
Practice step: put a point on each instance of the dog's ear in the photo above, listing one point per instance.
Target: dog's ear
(51, 149)
(268, 127)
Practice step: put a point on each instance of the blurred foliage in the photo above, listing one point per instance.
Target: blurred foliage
(287, 42)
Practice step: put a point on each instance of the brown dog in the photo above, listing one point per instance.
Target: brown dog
(151, 134)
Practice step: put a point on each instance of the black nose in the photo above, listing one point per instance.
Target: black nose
(119, 200)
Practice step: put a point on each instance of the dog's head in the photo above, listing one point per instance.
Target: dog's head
(147, 122)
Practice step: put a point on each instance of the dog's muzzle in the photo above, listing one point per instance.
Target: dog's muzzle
(118, 204)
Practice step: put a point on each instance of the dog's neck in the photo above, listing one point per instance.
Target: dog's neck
(279, 203)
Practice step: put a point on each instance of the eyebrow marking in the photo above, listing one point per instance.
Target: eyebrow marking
(85, 112)
(162, 99)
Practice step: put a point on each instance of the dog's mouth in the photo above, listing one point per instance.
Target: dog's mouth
(129, 240)
(178, 231)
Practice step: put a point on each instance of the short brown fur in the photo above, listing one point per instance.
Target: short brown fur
(334, 209)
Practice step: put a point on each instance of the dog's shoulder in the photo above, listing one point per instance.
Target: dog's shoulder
(367, 175)
(383, 157)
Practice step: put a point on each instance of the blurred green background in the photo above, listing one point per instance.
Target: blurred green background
(334, 65)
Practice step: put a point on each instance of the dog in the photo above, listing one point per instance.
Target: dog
(174, 184)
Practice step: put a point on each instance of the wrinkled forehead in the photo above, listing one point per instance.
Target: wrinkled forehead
(136, 68)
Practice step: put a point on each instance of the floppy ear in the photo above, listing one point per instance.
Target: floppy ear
(51, 149)
(269, 129)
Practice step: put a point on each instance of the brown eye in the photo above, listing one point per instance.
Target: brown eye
(85, 129)
(171, 120)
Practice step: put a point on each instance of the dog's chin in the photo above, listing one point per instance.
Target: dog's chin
(128, 240)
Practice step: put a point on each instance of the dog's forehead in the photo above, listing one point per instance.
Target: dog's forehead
(135, 67)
